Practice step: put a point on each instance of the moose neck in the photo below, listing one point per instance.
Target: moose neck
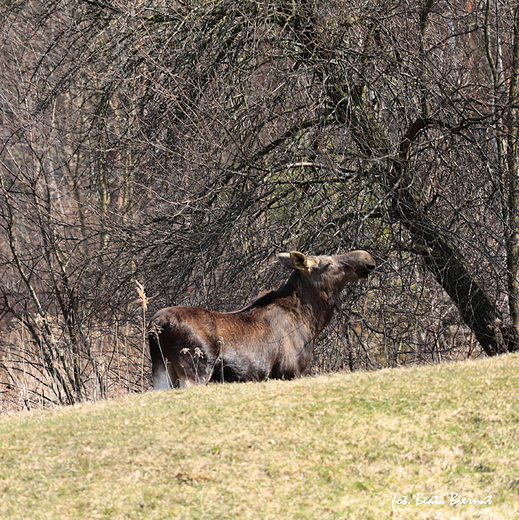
(316, 305)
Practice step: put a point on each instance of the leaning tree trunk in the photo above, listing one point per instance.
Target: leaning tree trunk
(447, 264)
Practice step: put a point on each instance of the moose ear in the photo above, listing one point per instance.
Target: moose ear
(294, 260)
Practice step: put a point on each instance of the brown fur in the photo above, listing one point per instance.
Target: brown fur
(272, 337)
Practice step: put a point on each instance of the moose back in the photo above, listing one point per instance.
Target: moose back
(272, 337)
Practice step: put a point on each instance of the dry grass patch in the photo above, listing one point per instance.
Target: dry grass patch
(340, 446)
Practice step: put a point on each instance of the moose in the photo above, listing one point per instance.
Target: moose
(272, 337)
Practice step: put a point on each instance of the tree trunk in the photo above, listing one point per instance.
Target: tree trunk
(512, 250)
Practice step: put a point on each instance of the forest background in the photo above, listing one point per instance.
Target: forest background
(162, 152)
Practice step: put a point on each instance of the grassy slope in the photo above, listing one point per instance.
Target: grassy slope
(339, 446)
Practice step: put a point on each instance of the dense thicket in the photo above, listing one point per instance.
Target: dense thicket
(157, 152)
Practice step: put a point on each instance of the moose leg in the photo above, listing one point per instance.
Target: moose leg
(163, 376)
(184, 382)
(193, 367)
(161, 369)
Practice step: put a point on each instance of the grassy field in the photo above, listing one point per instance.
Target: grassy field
(393, 444)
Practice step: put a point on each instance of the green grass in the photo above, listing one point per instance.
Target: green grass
(339, 446)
